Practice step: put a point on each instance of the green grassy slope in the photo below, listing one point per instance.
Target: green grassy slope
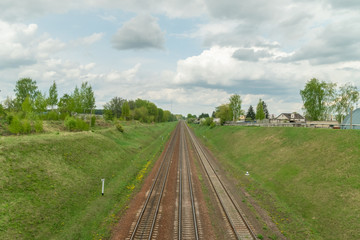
(50, 184)
(308, 179)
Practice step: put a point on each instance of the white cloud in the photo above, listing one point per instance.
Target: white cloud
(22, 45)
(23, 10)
(140, 32)
(123, 76)
(89, 40)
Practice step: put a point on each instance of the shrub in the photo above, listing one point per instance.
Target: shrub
(81, 125)
(52, 115)
(119, 127)
(38, 125)
(73, 124)
(93, 120)
(26, 126)
(70, 123)
(10, 117)
(212, 125)
(15, 126)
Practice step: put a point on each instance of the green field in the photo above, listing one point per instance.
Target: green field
(307, 179)
(50, 184)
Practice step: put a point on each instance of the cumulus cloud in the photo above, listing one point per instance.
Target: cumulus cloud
(248, 10)
(336, 43)
(22, 45)
(246, 54)
(140, 32)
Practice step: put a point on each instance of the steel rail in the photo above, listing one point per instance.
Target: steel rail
(198, 148)
(191, 191)
(180, 189)
(184, 157)
(170, 146)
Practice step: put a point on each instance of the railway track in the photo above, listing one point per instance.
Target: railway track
(145, 224)
(239, 228)
(187, 222)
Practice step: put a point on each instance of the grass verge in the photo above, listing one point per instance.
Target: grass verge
(50, 184)
(307, 179)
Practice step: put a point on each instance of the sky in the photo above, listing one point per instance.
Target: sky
(186, 56)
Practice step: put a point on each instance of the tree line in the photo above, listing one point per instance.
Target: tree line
(139, 109)
(29, 100)
(322, 99)
(232, 111)
(25, 112)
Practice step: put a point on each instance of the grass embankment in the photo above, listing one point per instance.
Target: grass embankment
(50, 184)
(308, 179)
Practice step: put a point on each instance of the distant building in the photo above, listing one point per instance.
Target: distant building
(217, 121)
(290, 117)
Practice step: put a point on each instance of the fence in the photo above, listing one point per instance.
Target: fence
(302, 124)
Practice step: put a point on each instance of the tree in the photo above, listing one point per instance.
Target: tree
(160, 115)
(250, 113)
(266, 112)
(2, 111)
(76, 98)
(26, 105)
(260, 115)
(40, 103)
(204, 115)
(317, 97)
(66, 104)
(152, 110)
(23, 88)
(9, 104)
(132, 104)
(87, 98)
(113, 108)
(167, 116)
(224, 113)
(142, 114)
(125, 110)
(53, 96)
(346, 98)
(235, 106)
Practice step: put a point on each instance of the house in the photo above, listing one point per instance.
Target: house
(217, 121)
(290, 117)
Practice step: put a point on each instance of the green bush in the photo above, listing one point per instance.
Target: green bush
(212, 124)
(52, 115)
(70, 123)
(81, 125)
(26, 126)
(73, 124)
(9, 118)
(119, 127)
(93, 120)
(15, 126)
(38, 125)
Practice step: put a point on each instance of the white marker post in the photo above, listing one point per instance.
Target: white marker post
(103, 182)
